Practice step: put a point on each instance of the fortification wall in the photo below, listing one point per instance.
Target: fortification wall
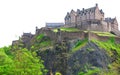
(117, 40)
(95, 27)
(93, 36)
(52, 35)
(63, 34)
(105, 38)
(75, 35)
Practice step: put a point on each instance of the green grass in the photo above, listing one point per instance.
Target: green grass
(58, 73)
(66, 29)
(40, 36)
(108, 45)
(90, 72)
(113, 50)
(41, 41)
(79, 45)
(45, 43)
(90, 49)
(103, 33)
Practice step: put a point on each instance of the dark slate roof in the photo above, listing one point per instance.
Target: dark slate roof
(67, 16)
(111, 20)
(84, 11)
(54, 24)
(27, 34)
(101, 11)
(90, 9)
(72, 11)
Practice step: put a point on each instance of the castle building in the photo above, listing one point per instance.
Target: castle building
(54, 25)
(90, 19)
(26, 37)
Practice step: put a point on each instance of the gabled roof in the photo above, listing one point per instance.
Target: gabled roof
(101, 11)
(67, 16)
(111, 20)
(73, 12)
(83, 11)
(92, 9)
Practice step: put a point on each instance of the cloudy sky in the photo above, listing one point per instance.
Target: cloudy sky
(18, 16)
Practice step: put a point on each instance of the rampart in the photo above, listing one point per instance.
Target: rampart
(93, 36)
(62, 35)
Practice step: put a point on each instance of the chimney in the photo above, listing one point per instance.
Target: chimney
(96, 5)
(83, 9)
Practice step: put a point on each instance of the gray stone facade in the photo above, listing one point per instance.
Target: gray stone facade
(54, 25)
(90, 19)
(85, 19)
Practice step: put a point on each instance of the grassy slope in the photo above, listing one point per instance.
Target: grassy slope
(110, 46)
(41, 41)
(67, 29)
(79, 44)
(113, 51)
(103, 33)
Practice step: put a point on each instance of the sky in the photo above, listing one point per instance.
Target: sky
(18, 16)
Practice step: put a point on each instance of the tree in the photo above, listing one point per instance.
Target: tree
(26, 63)
(20, 62)
(6, 63)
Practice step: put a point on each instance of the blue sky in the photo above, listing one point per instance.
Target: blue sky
(18, 16)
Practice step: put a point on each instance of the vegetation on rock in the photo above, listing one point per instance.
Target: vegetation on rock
(40, 41)
(79, 44)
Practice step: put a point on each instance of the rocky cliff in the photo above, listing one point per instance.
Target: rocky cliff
(79, 57)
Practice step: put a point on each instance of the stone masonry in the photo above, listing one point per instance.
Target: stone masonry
(90, 19)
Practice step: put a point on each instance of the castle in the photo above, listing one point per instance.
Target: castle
(84, 20)
(91, 19)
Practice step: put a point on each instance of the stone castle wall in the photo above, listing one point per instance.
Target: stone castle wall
(48, 33)
(92, 19)
(77, 35)
(55, 36)
(93, 36)
(73, 35)
(63, 34)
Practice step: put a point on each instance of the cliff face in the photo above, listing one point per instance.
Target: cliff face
(73, 57)
(88, 58)
(76, 56)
